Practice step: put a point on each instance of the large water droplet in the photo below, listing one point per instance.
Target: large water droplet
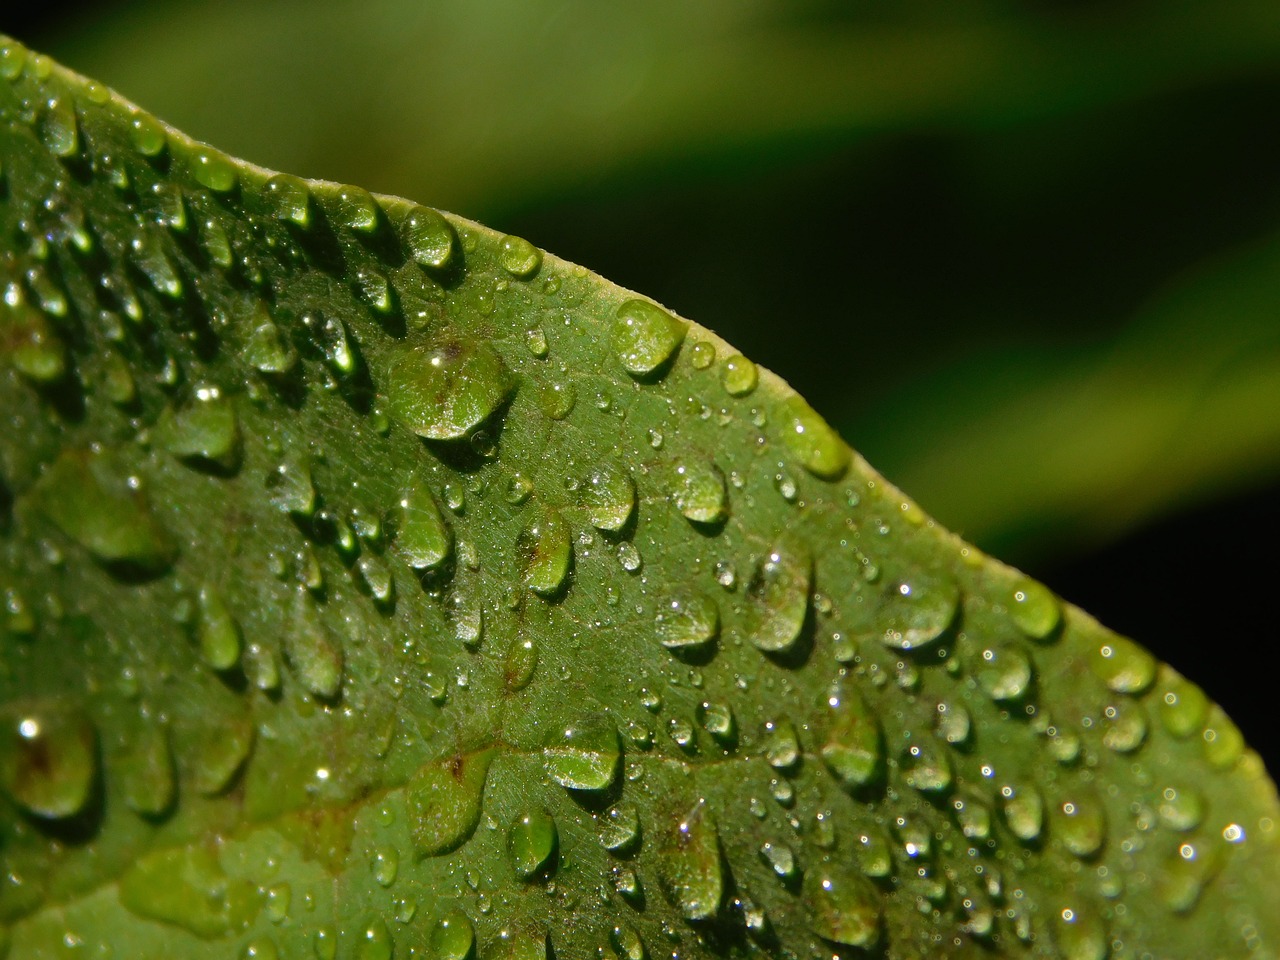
(645, 337)
(586, 755)
(778, 596)
(919, 612)
(688, 623)
(1003, 671)
(692, 865)
(374, 941)
(312, 651)
(1023, 811)
(205, 432)
(444, 801)
(186, 886)
(104, 512)
(453, 937)
(519, 257)
(48, 757)
(1123, 665)
(1183, 707)
(423, 536)
(446, 392)
(428, 237)
(531, 843)
(841, 906)
(620, 829)
(289, 198)
(609, 496)
(550, 553)
(1079, 821)
(854, 750)
(738, 375)
(700, 492)
(818, 448)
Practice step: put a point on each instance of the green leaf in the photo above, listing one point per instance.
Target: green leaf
(379, 585)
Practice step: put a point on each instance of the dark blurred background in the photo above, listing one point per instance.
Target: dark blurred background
(1026, 256)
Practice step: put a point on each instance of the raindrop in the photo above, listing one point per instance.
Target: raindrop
(620, 829)
(738, 375)
(444, 801)
(445, 393)
(1123, 666)
(385, 866)
(312, 651)
(818, 448)
(692, 865)
(453, 937)
(609, 497)
(289, 198)
(217, 631)
(531, 843)
(1023, 811)
(205, 432)
(1003, 671)
(688, 623)
(645, 337)
(919, 613)
(48, 757)
(841, 907)
(781, 746)
(1035, 609)
(585, 755)
(700, 492)
(779, 593)
(428, 237)
(519, 257)
(423, 537)
(549, 549)
(854, 751)
(1080, 823)
(213, 170)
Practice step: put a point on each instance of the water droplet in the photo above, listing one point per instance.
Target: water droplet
(531, 843)
(692, 865)
(1124, 727)
(549, 548)
(919, 613)
(1181, 809)
(620, 829)
(556, 400)
(520, 663)
(375, 942)
(700, 492)
(445, 393)
(626, 943)
(519, 945)
(781, 860)
(688, 623)
(954, 723)
(927, 767)
(1123, 665)
(260, 948)
(149, 257)
(782, 745)
(609, 496)
(645, 337)
(289, 198)
(324, 943)
(586, 755)
(779, 597)
(701, 355)
(717, 719)
(48, 757)
(854, 750)
(1223, 742)
(268, 350)
(147, 772)
(453, 937)
(223, 753)
(279, 898)
(213, 170)
(874, 856)
(444, 801)
(738, 375)
(59, 131)
(217, 631)
(973, 815)
(1080, 935)
(313, 653)
(841, 906)
(423, 537)
(1080, 823)
(13, 56)
(428, 237)
(1003, 671)
(385, 865)
(535, 338)
(1183, 707)
(1023, 811)
(1035, 609)
(205, 432)
(355, 209)
(104, 512)
(372, 287)
(31, 345)
(292, 489)
(818, 448)
(519, 257)
(187, 887)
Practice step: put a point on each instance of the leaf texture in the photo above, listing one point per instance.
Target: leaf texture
(379, 586)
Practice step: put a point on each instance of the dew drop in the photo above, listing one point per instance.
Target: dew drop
(289, 199)
(688, 623)
(645, 337)
(59, 131)
(268, 350)
(1183, 707)
(549, 549)
(428, 237)
(260, 948)
(519, 257)
(1035, 609)
(374, 941)
(105, 513)
(701, 355)
(818, 448)
(205, 432)
(445, 393)
(1080, 823)
(217, 631)
(778, 596)
(717, 719)
(1023, 811)
(620, 829)
(453, 937)
(919, 613)
(781, 745)
(531, 843)
(213, 170)
(586, 755)
(781, 859)
(854, 751)
(444, 801)
(147, 134)
(313, 653)
(423, 536)
(874, 856)
(609, 497)
(692, 865)
(738, 376)
(385, 866)
(356, 209)
(1003, 671)
(842, 907)
(372, 287)
(1123, 665)
(48, 757)
(700, 492)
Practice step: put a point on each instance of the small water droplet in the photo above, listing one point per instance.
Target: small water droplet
(375, 942)
(688, 623)
(453, 937)
(1035, 609)
(428, 237)
(779, 593)
(423, 537)
(609, 496)
(841, 906)
(620, 829)
(927, 767)
(213, 170)
(1023, 811)
(645, 337)
(919, 613)
(556, 400)
(385, 865)
(217, 631)
(1080, 823)
(717, 719)
(59, 130)
(268, 350)
(289, 198)
(781, 859)
(701, 355)
(782, 745)
(531, 843)
(1003, 671)
(1123, 665)
(204, 432)
(700, 492)
(549, 548)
